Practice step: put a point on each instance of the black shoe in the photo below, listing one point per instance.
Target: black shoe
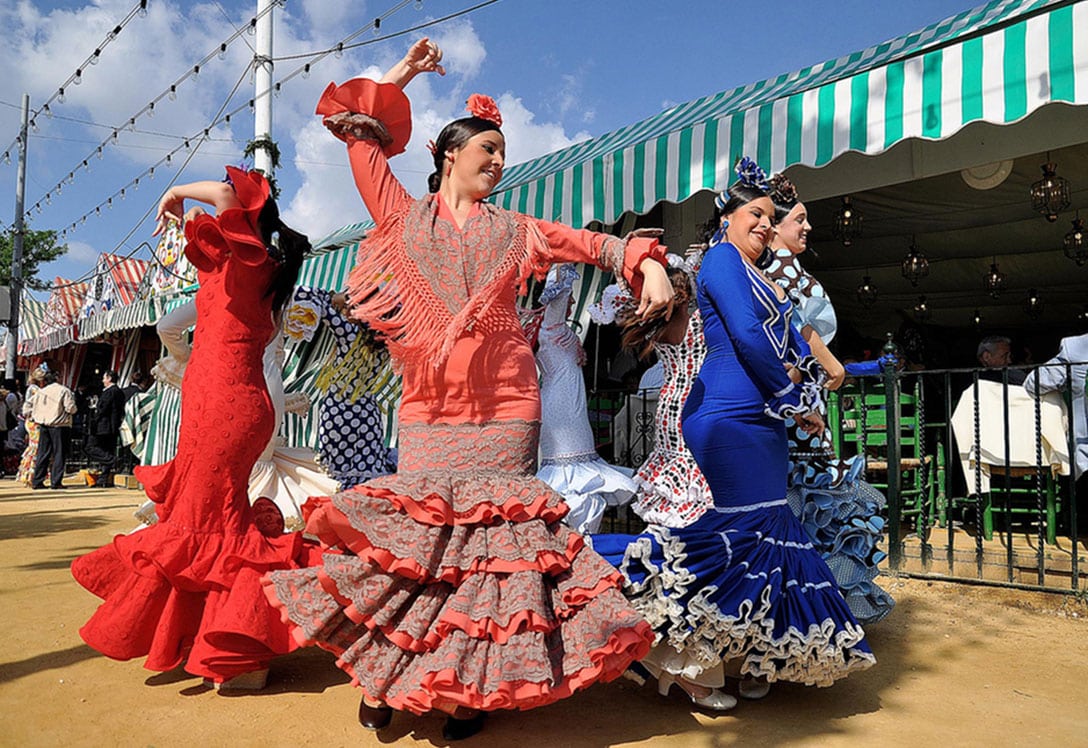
(374, 717)
(61, 487)
(459, 729)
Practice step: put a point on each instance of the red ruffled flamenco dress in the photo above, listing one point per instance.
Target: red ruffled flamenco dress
(187, 589)
(453, 582)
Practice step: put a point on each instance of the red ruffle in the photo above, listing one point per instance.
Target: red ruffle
(385, 102)
(175, 597)
(327, 523)
(234, 231)
(524, 498)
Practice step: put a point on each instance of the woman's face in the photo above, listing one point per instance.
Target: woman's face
(750, 225)
(792, 231)
(476, 167)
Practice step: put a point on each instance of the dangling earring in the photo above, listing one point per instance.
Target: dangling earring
(719, 235)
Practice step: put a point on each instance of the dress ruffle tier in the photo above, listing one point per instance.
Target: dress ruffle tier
(773, 607)
(446, 589)
(841, 514)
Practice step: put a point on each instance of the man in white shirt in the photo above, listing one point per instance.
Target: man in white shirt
(1068, 369)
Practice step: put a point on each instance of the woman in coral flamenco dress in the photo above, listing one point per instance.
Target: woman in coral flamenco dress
(187, 589)
(457, 587)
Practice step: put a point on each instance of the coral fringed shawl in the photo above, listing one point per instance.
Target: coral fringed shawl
(389, 291)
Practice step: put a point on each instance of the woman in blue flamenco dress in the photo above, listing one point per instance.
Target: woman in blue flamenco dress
(742, 589)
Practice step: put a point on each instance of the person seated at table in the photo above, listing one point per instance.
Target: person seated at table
(1068, 368)
(994, 354)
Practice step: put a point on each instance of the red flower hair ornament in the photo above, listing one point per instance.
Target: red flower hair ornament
(484, 107)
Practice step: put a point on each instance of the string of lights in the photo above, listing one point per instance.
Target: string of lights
(139, 10)
(169, 93)
(154, 206)
(301, 71)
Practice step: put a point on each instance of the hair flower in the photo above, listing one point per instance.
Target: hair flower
(782, 190)
(484, 107)
(751, 175)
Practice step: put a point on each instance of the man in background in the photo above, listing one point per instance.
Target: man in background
(54, 405)
(105, 425)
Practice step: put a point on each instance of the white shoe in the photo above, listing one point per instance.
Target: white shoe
(753, 688)
(715, 700)
(254, 680)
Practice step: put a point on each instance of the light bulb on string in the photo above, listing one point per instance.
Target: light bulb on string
(168, 157)
(222, 51)
(71, 177)
(142, 12)
(86, 165)
(114, 136)
(135, 184)
(98, 152)
(94, 56)
(60, 187)
(377, 26)
(122, 193)
(7, 157)
(151, 173)
(98, 210)
(276, 91)
(226, 120)
(34, 125)
(151, 109)
(187, 146)
(109, 202)
(132, 124)
(60, 95)
(252, 107)
(306, 71)
(252, 26)
(339, 52)
(419, 5)
(173, 95)
(78, 77)
(48, 198)
(196, 72)
(47, 112)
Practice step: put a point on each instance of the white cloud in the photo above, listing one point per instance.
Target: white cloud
(82, 252)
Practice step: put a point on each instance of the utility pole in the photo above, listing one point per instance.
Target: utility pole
(262, 80)
(17, 250)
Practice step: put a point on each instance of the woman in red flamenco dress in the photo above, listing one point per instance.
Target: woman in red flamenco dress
(453, 585)
(187, 589)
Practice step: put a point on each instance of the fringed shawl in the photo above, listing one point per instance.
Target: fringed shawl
(389, 291)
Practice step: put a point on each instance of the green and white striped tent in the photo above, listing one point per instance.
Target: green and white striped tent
(997, 63)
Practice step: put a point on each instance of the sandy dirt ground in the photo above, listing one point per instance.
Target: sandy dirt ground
(957, 665)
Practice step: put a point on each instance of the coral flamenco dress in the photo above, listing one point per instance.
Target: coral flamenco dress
(187, 589)
(454, 582)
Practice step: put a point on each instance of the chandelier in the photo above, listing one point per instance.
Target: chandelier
(1050, 195)
(1076, 248)
(1033, 304)
(915, 265)
(921, 310)
(995, 281)
(846, 226)
(866, 292)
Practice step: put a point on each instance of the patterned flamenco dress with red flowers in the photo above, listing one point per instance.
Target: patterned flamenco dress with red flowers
(187, 589)
(453, 583)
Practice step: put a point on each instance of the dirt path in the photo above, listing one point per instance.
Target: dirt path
(957, 665)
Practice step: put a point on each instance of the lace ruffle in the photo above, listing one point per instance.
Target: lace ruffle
(383, 104)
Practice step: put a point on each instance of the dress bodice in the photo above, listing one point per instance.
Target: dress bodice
(681, 362)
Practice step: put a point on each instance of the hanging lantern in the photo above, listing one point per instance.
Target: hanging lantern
(921, 310)
(915, 265)
(995, 281)
(866, 292)
(1050, 195)
(1076, 244)
(1083, 313)
(1033, 304)
(846, 226)
(977, 318)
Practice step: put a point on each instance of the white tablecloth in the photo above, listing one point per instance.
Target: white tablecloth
(1053, 420)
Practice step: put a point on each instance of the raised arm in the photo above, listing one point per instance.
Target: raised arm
(220, 195)
(374, 119)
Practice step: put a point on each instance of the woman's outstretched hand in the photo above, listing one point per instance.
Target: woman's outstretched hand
(657, 293)
(171, 208)
(423, 57)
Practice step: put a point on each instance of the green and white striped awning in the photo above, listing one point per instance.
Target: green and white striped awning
(996, 63)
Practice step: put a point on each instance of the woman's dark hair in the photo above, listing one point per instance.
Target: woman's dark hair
(640, 336)
(453, 136)
(738, 194)
(289, 251)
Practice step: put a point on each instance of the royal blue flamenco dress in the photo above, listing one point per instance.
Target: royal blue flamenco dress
(743, 583)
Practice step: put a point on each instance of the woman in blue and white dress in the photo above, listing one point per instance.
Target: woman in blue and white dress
(840, 511)
(742, 588)
(351, 439)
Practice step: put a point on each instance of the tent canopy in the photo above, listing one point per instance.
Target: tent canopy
(997, 63)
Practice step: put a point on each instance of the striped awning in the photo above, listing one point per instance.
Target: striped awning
(996, 63)
(333, 258)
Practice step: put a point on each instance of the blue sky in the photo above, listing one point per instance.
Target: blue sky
(562, 70)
